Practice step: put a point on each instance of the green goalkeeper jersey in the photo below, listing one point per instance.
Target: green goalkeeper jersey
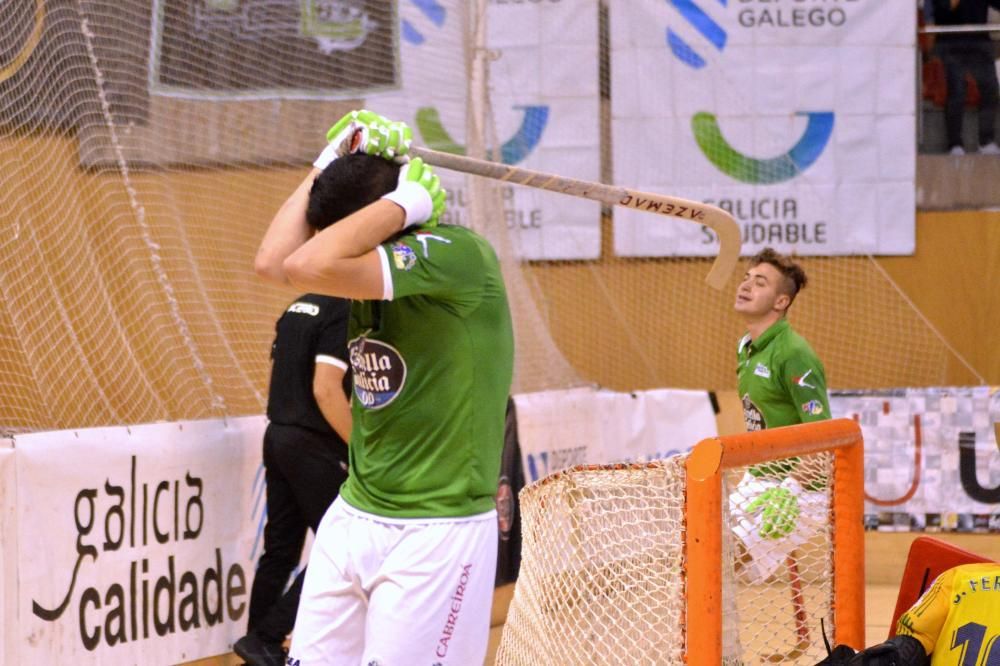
(432, 364)
(781, 380)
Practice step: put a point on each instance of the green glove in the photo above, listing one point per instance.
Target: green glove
(367, 132)
(419, 194)
(779, 512)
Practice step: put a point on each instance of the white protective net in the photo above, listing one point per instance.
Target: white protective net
(146, 144)
(603, 578)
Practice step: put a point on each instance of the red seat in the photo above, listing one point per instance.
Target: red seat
(928, 558)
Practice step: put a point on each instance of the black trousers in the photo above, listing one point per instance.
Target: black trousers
(304, 471)
(976, 58)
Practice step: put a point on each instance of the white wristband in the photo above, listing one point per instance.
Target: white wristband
(415, 201)
(328, 155)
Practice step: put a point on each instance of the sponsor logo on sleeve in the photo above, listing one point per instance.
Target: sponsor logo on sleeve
(814, 407)
(762, 371)
(403, 257)
(424, 236)
(801, 381)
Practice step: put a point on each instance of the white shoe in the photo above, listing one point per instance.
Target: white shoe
(956, 150)
(989, 149)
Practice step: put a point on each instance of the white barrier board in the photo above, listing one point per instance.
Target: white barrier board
(134, 543)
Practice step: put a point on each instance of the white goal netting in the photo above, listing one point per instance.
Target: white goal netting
(604, 577)
(146, 144)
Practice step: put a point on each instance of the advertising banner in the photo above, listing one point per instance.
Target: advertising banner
(8, 554)
(542, 60)
(796, 117)
(931, 457)
(563, 428)
(308, 48)
(135, 542)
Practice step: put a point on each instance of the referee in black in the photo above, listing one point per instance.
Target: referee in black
(305, 460)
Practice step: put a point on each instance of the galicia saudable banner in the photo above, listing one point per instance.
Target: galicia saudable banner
(135, 543)
(796, 117)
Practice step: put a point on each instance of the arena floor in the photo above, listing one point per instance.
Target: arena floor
(885, 557)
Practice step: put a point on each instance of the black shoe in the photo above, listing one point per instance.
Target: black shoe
(255, 651)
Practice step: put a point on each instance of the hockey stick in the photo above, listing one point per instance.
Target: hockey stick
(803, 641)
(713, 217)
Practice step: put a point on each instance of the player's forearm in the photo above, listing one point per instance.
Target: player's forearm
(287, 232)
(333, 403)
(353, 236)
(337, 412)
(340, 260)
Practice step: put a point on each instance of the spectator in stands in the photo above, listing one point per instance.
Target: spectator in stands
(972, 53)
(305, 460)
(957, 620)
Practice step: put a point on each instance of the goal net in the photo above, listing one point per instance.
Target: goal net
(671, 562)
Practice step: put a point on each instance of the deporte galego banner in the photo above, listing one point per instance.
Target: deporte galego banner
(134, 544)
(797, 117)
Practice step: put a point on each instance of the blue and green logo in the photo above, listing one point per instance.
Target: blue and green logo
(763, 171)
(513, 150)
(706, 27)
(705, 126)
(428, 120)
(433, 11)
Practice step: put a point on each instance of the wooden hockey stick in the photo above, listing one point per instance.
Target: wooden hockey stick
(802, 642)
(713, 217)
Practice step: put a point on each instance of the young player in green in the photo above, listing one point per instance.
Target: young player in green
(403, 564)
(781, 382)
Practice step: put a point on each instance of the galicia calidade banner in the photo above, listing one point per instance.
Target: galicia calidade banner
(797, 117)
(8, 554)
(544, 102)
(931, 457)
(135, 543)
(564, 428)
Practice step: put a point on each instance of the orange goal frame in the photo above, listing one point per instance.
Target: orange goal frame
(703, 522)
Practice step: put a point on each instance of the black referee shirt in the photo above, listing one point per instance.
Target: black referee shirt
(313, 326)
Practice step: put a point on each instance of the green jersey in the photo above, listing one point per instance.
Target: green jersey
(781, 380)
(432, 363)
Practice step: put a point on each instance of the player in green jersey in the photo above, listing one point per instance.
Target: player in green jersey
(781, 382)
(403, 564)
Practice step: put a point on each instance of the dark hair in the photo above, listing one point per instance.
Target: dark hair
(794, 277)
(347, 185)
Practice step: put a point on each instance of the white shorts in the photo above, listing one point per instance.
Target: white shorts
(396, 592)
(768, 554)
